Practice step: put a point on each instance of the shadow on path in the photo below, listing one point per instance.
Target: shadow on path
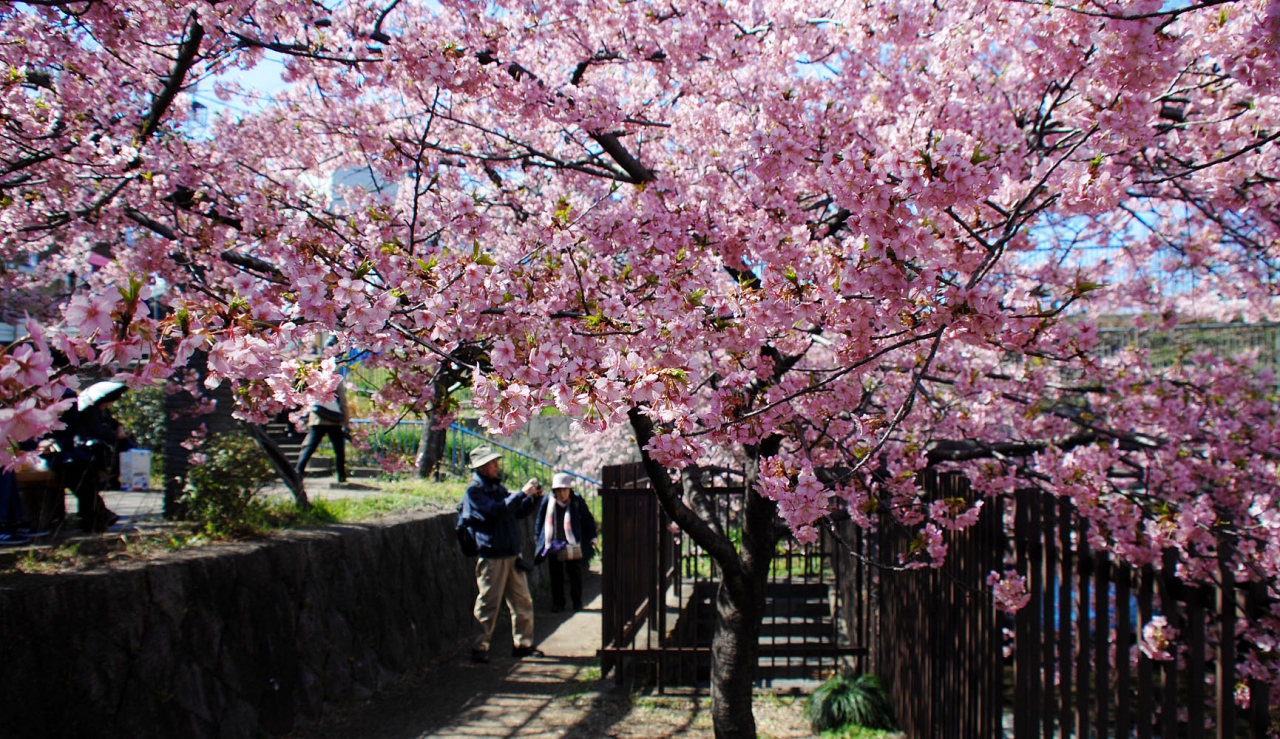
(554, 696)
(561, 696)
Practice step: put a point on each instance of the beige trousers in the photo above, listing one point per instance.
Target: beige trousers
(499, 578)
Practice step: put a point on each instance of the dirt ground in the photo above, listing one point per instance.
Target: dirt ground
(561, 696)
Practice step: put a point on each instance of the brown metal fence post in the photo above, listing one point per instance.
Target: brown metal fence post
(1124, 638)
(1101, 640)
(1169, 670)
(1083, 679)
(1066, 524)
(1226, 662)
(1195, 661)
(1049, 528)
(1259, 691)
(1146, 699)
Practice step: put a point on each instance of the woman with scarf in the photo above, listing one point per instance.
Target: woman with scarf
(565, 534)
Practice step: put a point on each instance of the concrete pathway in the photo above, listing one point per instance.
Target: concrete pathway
(560, 696)
(540, 697)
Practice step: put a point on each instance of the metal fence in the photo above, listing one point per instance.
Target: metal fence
(1073, 667)
(935, 634)
(1167, 347)
(402, 441)
(1077, 668)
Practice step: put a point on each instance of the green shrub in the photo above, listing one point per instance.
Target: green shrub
(219, 494)
(843, 700)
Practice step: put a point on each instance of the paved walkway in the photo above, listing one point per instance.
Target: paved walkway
(545, 697)
(149, 504)
(561, 696)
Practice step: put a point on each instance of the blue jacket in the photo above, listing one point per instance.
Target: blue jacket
(493, 512)
(583, 523)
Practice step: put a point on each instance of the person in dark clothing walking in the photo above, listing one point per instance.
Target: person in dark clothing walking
(493, 512)
(565, 534)
(329, 419)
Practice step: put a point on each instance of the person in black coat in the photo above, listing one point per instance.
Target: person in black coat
(99, 438)
(565, 534)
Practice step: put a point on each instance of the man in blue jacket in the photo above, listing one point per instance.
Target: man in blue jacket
(494, 512)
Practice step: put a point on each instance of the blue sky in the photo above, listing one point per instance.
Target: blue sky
(261, 81)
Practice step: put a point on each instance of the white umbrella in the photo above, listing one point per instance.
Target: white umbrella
(99, 392)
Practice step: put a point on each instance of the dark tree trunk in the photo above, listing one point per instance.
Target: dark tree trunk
(735, 644)
(283, 466)
(735, 652)
(430, 447)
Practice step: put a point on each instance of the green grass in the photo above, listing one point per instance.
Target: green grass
(668, 702)
(582, 685)
(260, 518)
(446, 492)
(394, 496)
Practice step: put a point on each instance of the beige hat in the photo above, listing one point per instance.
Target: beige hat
(482, 455)
(561, 480)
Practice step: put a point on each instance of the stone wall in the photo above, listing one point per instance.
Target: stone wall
(240, 640)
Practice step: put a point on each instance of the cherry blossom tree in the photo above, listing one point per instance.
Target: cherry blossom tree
(839, 242)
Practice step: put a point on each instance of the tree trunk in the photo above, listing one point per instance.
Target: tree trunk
(735, 652)
(735, 644)
(430, 447)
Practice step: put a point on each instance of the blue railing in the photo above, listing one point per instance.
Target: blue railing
(518, 466)
(402, 440)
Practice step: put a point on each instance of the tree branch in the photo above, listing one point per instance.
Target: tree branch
(614, 148)
(717, 545)
(966, 450)
(1211, 163)
(186, 58)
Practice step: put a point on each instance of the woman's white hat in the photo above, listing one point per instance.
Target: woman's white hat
(561, 480)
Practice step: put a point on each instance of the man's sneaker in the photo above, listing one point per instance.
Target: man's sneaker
(480, 655)
(522, 652)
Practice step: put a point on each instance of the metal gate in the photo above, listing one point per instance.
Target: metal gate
(659, 591)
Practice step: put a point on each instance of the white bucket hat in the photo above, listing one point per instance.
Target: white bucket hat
(561, 480)
(482, 455)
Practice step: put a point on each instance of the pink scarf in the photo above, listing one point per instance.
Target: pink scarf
(549, 525)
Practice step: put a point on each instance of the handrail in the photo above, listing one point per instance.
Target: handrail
(467, 432)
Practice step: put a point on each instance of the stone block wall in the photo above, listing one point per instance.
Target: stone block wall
(241, 640)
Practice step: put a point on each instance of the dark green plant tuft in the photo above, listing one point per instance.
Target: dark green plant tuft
(219, 494)
(843, 700)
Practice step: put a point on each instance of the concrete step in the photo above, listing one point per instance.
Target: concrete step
(799, 637)
(797, 590)
(318, 466)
